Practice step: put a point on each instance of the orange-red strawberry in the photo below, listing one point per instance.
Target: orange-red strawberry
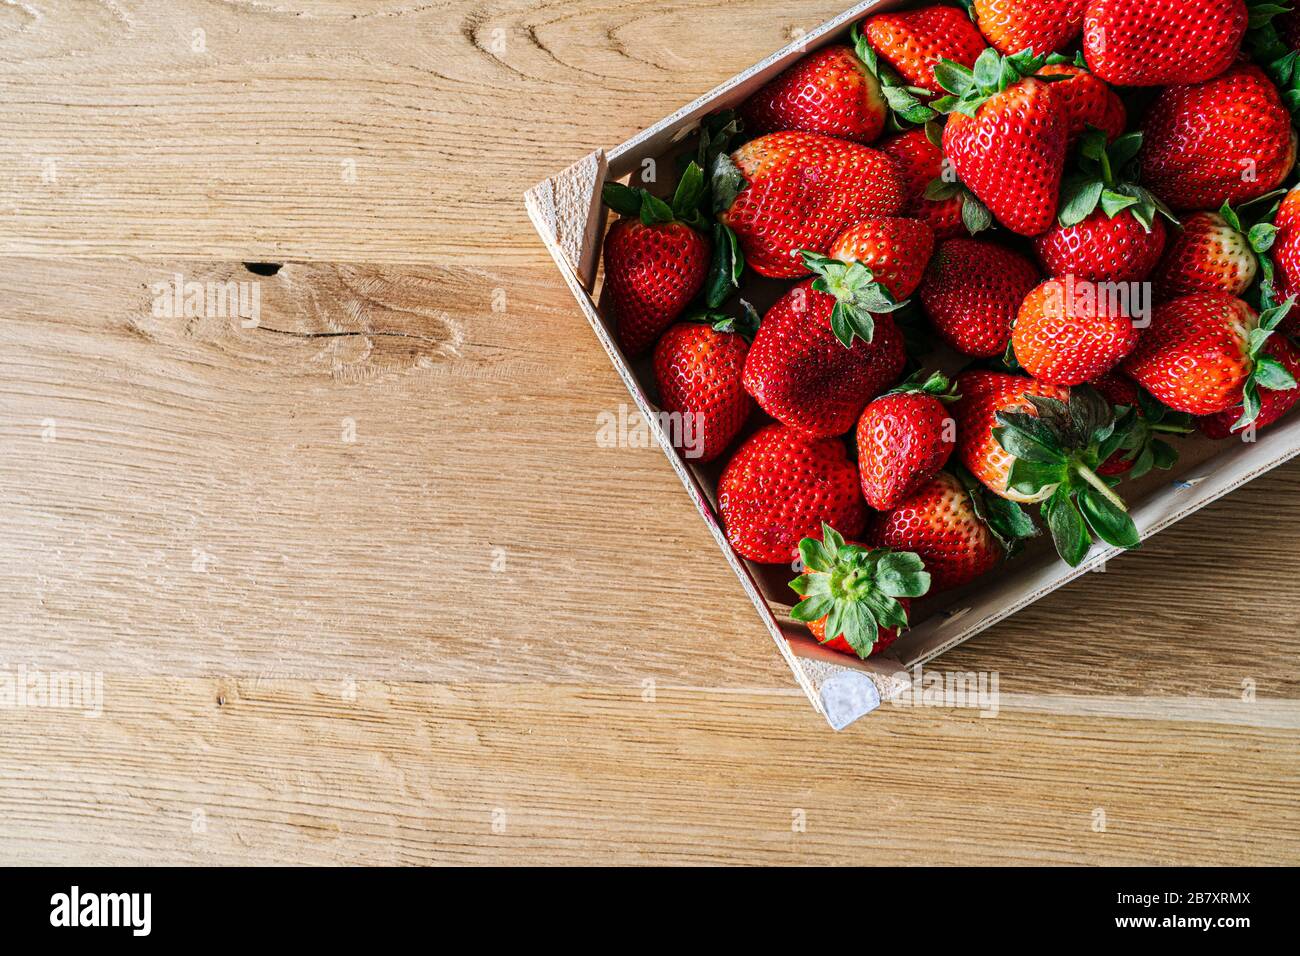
(655, 263)
(1162, 42)
(972, 292)
(787, 192)
(854, 599)
(957, 530)
(779, 488)
(1006, 140)
(1274, 403)
(1043, 26)
(1087, 101)
(1069, 332)
(913, 42)
(698, 368)
(1227, 140)
(895, 250)
(1286, 255)
(1211, 253)
(801, 370)
(1102, 249)
(904, 438)
(1205, 353)
(829, 91)
(921, 164)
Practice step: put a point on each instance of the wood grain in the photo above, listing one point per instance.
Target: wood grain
(393, 482)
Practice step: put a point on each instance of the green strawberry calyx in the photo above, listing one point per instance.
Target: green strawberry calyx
(907, 104)
(994, 73)
(857, 295)
(935, 384)
(745, 325)
(651, 210)
(717, 133)
(856, 589)
(1266, 371)
(1142, 425)
(1005, 519)
(1102, 181)
(1267, 48)
(1057, 452)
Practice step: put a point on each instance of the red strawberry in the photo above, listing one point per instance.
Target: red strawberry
(1117, 388)
(855, 599)
(1228, 140)
(1274, 403)
(1007, 143)
(914, 41)
(1286, 255)
(895, 250)
(780, 487)
(1288, 28)
(1209, 254)
(1205, 354)
(1087, 101)
(829, 91)
(698, 367)
(921, 163)
(1162, 42)
(904, 438)
(983, 396)
(1043, 26)
(797, 191)
(1069, 332)
(952, 529)
(972, 292)
(655, 264)
(801, 372)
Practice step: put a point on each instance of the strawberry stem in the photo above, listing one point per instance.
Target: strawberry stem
(1092, 478)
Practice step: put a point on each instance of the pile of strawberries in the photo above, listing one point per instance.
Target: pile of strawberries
(1081, 205)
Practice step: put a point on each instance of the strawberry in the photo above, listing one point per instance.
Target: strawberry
(1144, 420)
(1274, 403)
(895, 251)
(780, 486)
(1212, 253)
(1043, 26)
(1069, 332)
(1226, 140)
(1087, 101)
(854, 599)
(1162, 42)
(972, 292)
(655, 262)
(920, 159)
(786, 192)
(956, 528)
(904, 438)
(1205, 353)
(1109, 229)
(807, 368)
(913, 42)
(698, 368)
(1006, 138)
(1286, 255)
(829, 91)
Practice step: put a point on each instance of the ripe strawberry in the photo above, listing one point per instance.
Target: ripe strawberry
(914, 41)
(698, 367)
(806, 368)
(1162, 42)
(655, 263)
(787, 192)
(1211, 254)
(1118, 389)
(958, 530)
(1069, 332)
(1006, 140)
(829, 91)
(1286, 255)
(780, 487)
(1226, 140)
(1043, 26)
(895, 251)
(1205, 354)
(921, 164)
(1087, 101)
(1274, 403)
(972, 292)
(904, 438)
(855, 599)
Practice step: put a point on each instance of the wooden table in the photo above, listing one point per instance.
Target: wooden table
(360, 583)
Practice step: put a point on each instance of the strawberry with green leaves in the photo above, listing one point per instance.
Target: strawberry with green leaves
(1006, 137)
(780, 486)
(1273, 403)
(698, 367)
(1069, 332)
(655, 259)
(1145, 424)
(904, 438)
(914, 42)
(959, 530)
(855, 600)
(1213, 252)
(934, 194)
(893, 249)
(972, 292)
(1162, 42)
(1109, 229)
(784, 193)
(1207, 353)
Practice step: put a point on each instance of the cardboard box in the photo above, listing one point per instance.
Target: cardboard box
(570, 218)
